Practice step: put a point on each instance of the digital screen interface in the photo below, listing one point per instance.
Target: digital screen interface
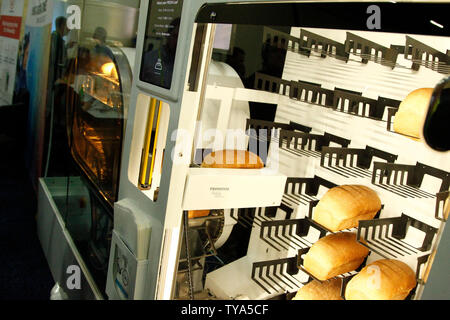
(160, 44)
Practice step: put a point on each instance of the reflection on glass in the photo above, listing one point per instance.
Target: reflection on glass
(100, 239)
(97, 99)
(96, 119)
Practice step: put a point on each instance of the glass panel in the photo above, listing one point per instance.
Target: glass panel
(317, 95)
(96, 116)
(89, 89)
(78, 222)
(239, 53)
(89, 86)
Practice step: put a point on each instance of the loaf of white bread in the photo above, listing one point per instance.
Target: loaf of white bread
(232, 159)
(385, 279)
(343, 206)
(334, 255)
(316, 290)
(412, 111)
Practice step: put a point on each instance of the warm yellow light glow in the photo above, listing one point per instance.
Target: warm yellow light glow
(109, 69)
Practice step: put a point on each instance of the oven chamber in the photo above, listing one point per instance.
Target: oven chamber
(75, 208)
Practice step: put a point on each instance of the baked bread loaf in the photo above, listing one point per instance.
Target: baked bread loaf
(316, 290)
(385, 279)
(412, 111)
(333, 255)
(197, 213)
(232, 159)
(343, 206)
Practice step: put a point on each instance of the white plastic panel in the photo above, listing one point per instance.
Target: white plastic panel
(208, 188)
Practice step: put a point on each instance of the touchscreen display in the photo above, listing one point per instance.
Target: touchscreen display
(160, 44)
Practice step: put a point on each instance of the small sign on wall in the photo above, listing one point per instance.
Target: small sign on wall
(10, 26)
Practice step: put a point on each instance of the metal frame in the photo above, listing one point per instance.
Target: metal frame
(165, 215)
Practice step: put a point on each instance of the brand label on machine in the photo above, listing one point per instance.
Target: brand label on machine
(218, 192)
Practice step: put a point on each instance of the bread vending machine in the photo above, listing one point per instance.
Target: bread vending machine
(274, 150)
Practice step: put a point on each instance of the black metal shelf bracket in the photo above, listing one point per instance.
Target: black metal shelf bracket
(423, 55)
(339, 99)
(370, 51)
(351, 162)
(254, 217)
(310, 41)
(277, 275)
(311, 93)
(386, 236)
(307, 42)
(307, 144)
(300, 127)
(286, 234)
(383, 105)
(441, 198)
(359, 105)
(272, 84)
(304, 190)
(280, 39)
(356, 105)
(406, 180)
(247, 217)
(300, 143)
(263, 130)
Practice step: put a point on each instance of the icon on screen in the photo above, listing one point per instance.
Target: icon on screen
(158, 65)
